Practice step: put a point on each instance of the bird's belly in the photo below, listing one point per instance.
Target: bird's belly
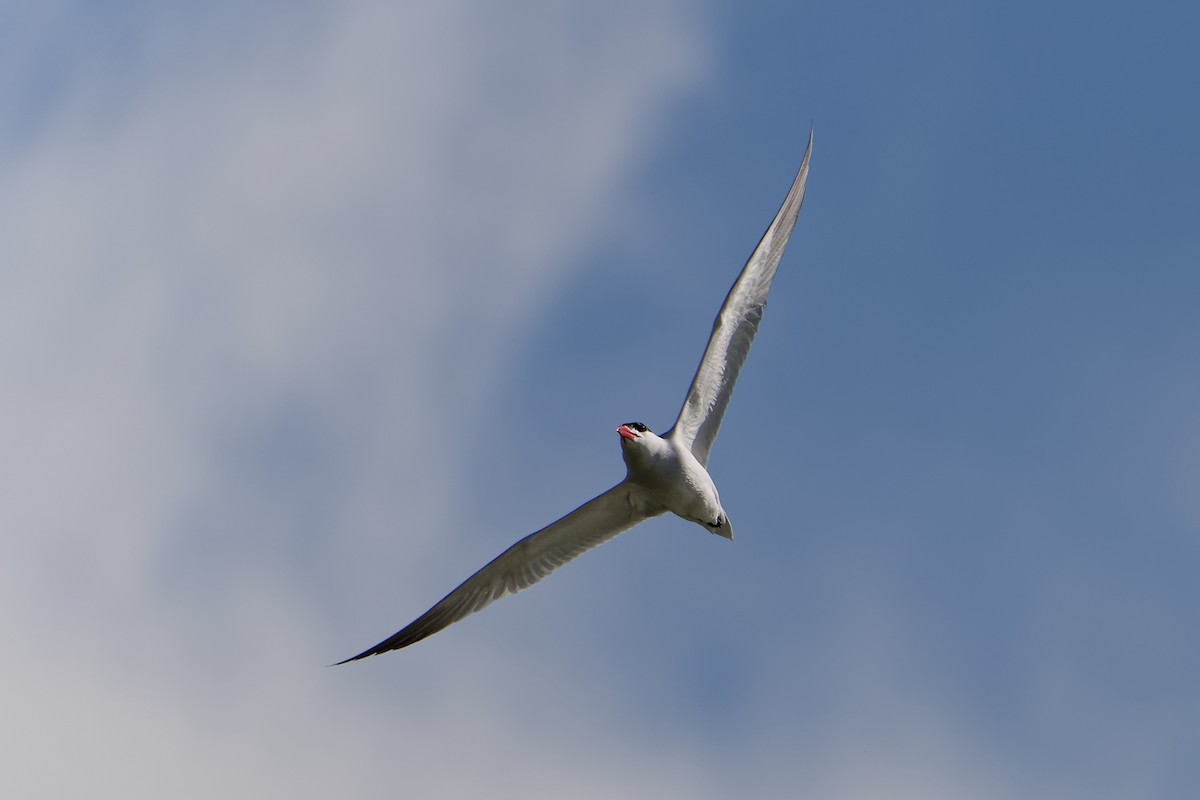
(677, 482)
(691, 495)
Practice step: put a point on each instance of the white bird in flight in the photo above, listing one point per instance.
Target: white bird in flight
(664, 473)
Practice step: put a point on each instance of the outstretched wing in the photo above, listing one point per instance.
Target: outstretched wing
(528, 561)
(735, 327)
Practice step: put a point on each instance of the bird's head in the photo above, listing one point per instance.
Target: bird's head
(640, 446)
(632, 431)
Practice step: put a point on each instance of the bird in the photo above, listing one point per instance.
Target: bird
(664, 473)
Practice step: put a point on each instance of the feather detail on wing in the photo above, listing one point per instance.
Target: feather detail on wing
(735, 328)
(529, 560)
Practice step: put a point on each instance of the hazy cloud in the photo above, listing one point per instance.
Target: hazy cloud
(241, 248)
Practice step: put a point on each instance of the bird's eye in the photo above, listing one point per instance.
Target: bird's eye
(639, 427)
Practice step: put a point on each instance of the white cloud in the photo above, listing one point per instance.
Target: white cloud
(258, 264)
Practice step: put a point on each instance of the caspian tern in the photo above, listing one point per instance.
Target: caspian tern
(663, 473)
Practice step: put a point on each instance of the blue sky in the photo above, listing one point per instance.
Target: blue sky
(309, 310)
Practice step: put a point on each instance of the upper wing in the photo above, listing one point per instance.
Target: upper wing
(734, 329)
(528, 561)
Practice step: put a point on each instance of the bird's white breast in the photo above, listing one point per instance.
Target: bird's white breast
(673, 477)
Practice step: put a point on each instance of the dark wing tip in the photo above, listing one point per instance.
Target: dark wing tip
(428, 624)
(373, 651)
(382, 647)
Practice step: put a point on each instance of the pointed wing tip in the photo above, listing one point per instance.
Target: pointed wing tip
(361, 655)
(385, 646)
(801, 183)
(803, 171)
